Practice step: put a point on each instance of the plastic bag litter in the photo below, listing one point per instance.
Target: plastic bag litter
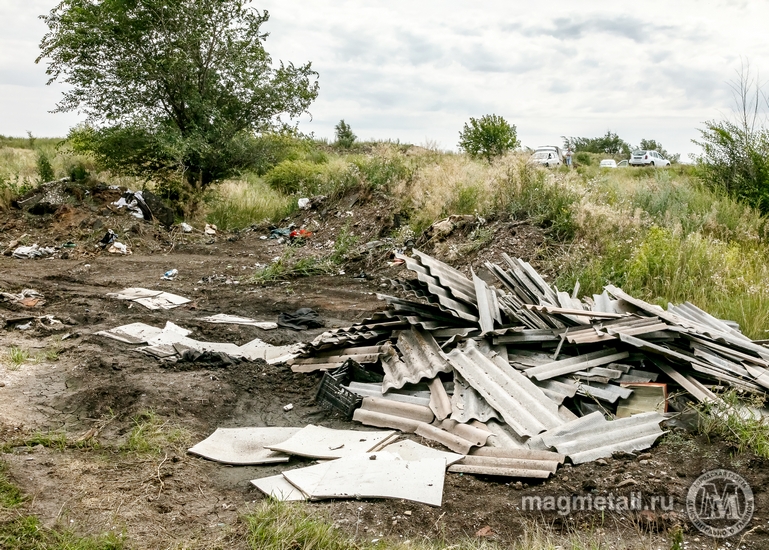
(118, 248)
(303, 203)
(186, 228)
(210, 229)
(34, 251)
(132, 203)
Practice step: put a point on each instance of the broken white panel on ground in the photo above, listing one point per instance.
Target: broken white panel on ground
(279, 488)
(326, 443)
(375, 475)
(151, 299)
(258, 349)
(178, 341)
(223, 318)
(411, 450)
(243, 446)
(140, 333)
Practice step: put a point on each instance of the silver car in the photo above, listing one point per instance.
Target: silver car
(647, 158)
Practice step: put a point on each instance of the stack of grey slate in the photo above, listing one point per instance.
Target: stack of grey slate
(538, 369)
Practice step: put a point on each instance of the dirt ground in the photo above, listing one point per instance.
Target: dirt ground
(92, 388)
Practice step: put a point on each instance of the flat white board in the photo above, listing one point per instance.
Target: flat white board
(326, 443)
(411, 450)
(373, 476)
(243, 446)
(279, 488)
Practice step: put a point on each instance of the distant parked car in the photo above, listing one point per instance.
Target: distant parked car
(548, 155)
(648, 158)
(622, 164)
(608, 163)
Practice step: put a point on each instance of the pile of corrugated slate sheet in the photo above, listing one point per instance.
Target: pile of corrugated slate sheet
(500, 367)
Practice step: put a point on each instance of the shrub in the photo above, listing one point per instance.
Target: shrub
(44, 168)
(344, 135)
(292, 176)
(488, 137)
(583, 158)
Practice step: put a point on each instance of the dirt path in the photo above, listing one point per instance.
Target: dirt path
(98, 390)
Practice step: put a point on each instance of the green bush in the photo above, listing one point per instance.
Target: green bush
(379, 172)
(44, 168)
(583, 158)
(488, 137)
(344, 135)
(292, 176)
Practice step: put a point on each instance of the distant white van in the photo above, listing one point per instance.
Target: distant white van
(547, 155)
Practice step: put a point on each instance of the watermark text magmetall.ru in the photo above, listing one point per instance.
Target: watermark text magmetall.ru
(719, 503)
(566, 504)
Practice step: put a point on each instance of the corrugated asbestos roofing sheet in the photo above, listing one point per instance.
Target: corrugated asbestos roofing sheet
(467, 404)
(522, 404)
(574, 364)
(592, 436)
(422, 359)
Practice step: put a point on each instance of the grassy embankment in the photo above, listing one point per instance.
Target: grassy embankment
(657, 233)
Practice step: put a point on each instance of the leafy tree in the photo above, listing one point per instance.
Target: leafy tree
(735, 155)
(610, 144)
(44, 168)
(488, 137)
(173, 89)
(344, 135)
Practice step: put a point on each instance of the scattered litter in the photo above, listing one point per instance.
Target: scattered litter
(26, 326)
(151, 299)
(303, 203)
(244, 446)
(280, 232)
(299, 234)
(288, 407)
(139, 333)
(118, 248)
(186, 228)
(235, 320)
(134, 203)
(301, 319)
(170, 275)
(108, 238)
(173, 344)
(26, 298)
(210, 229)
(34, 251)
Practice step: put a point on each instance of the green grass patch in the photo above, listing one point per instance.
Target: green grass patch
(239, 204)
(16, 357)
(737, 419)
(288, 267)
(153, 435)
(19, 531)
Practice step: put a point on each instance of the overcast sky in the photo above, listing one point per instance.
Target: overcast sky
(416, 70)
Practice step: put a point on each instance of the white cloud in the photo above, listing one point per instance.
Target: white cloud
(414, 70)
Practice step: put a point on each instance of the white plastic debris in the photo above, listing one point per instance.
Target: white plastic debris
(118, 248)
(304, 204)
(132, 206)
(288, 407)
(34, 251)
(187, 228)
(210, 229)
(170, 275)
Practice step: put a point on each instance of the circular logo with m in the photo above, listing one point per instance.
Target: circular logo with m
(720, 503)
